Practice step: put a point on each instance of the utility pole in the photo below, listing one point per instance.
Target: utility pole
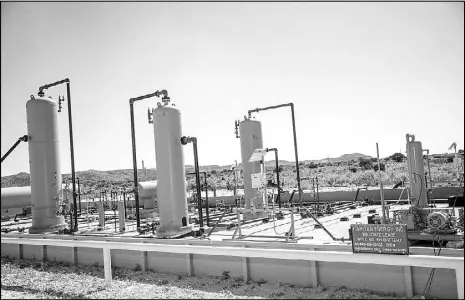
(145, 170)
(381, 186)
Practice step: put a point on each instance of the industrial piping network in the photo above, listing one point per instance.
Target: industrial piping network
(184, 141)
(277, 173)
(71, 140)
(295, 140)
(207, 208)
(163, 93)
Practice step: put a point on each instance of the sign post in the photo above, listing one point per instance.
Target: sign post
(380, 238)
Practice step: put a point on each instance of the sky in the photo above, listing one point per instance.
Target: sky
(358, 74)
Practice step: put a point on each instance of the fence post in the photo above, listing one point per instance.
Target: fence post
(21, 251)
(144, 259)
(408, 281)
(107, 265)
(314, 271)
(460, 278)
(245, 267)
(190, 266)
(75, 256)
(44, 252)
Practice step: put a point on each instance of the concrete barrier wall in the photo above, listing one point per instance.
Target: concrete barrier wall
(167, 262)
(286, 271)
(63, 254)
(382, 278)
(208, 265)
(443, 286)
(388, 279)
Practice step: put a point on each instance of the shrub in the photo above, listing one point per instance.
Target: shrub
(312, 165)
(397, 157)
(382, 165)
(137, 268)
(365, 163)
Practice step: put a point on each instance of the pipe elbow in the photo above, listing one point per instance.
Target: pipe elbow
(66, 80)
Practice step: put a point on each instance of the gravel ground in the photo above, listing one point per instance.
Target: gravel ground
(51, 280)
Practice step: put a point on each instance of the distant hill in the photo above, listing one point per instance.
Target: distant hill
(124, 177)
(349, 157)
(220, 177)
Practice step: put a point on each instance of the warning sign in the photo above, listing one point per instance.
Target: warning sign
(380, 238)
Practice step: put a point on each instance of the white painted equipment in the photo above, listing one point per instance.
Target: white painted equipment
(16, 197)
(416, 172)
(171, 175)
(44, 161)
(251, 139)
(148, 193)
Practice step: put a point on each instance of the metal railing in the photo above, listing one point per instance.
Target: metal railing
(455, 263)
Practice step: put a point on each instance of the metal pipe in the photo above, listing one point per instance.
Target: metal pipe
(216, 224)
(79, 190)
(277, 173)
(295, 140)
(429, 169)
(317, 191)
(206, 199)
(296, 154)
(207, 207)
(24, 138)
(134, 156)
(235, 179)
(134, 163)
(71, 145)
(197, 180)
(193, 140)
(125, 207)
(358, 191)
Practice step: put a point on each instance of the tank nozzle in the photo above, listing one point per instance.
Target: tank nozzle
(150, 115)
(187, 139)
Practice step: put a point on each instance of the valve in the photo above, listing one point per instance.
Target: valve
(187, 139)
(150, 115)
(60, 99)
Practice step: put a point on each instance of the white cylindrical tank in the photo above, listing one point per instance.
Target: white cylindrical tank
(148, 193)
(16, 197)
(250, 132)
(171, 175)
(44, 162)
(416, 171)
